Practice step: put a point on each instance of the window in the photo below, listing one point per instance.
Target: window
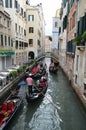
(16, 27)
(9, 41)
(1, 40)
(77, 62)
(8, 3)
(16, 45)
(31, 30)
(19, 28)
(30, 42)
(30, 17)
(5, 22)
(55, 24)
(21, 11)
(5, 40)
(71, 47)
(24, 32)
(16, 4)
(8, 24)
(25, 14)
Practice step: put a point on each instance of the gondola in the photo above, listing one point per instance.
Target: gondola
(38, 75)
(38, 92)
(8, 109)
(53, 69)
(54, 66)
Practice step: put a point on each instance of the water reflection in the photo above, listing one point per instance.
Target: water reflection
(46, 117)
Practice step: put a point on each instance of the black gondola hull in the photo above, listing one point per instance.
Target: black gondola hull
(18, 103)
(35, 96)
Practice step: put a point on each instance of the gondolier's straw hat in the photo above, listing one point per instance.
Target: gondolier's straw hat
(30, 74)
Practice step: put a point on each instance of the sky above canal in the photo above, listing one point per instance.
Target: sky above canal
(49, 10)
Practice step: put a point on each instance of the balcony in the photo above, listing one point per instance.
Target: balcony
(81, 48)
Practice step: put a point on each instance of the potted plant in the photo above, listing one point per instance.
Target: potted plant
(84, 37)
(77, 40)
(80, 41)
(13, 74)
(20, 69)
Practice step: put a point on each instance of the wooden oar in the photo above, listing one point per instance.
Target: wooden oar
(46, 97)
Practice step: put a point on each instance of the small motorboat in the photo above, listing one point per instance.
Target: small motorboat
(8, 109)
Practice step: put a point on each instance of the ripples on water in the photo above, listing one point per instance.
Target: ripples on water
(46, 117)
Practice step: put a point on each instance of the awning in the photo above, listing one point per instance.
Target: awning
(6, 54)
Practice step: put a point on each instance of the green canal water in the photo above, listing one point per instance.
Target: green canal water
(60, 109)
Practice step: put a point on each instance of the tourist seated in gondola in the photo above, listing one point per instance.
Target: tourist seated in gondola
(34, 70)
(42, 82)
(38, 66)
(51, 66)
(44, 77)
(42, 68)
(45, 66)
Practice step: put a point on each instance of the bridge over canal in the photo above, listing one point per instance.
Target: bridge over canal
(48, 55)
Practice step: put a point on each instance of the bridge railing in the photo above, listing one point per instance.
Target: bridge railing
(47, 54)
(42, 55)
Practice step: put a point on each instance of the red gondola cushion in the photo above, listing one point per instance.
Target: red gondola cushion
(10, 107)
(3, 108)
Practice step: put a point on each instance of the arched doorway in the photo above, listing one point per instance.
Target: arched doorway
(31, 54)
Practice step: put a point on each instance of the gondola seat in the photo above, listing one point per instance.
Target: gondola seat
(2, 118)
(10, 107)
(3, 108)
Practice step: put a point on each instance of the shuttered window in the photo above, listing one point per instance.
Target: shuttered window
(71, 47)
(81, 25)
(8, 3)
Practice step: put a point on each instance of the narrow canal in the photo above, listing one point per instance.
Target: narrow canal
(60, 109)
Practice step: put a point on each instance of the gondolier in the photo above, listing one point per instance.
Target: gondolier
(29, 81)
(39, 89)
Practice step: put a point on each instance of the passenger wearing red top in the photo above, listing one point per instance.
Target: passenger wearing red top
(29, 81)
(42, 83)
(34, 70)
